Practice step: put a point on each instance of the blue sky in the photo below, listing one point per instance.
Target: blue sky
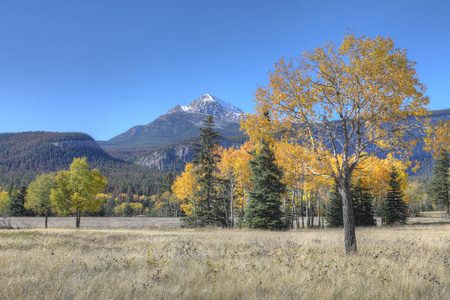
(101, 67)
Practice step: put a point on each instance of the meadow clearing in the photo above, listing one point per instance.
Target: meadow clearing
(404, 262)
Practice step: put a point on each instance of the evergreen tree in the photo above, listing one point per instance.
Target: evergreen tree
(439, 189)
(334, 213)
(168, 182)
(394, 210)
(130, 194)
(211, 209)
(16, 206)
(263, 210)
(362, 207)
(110, 205)
(128, 210)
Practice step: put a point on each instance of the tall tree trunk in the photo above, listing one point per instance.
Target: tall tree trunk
(46, 221)
(297, 210)
(232, 206)
(293, 208)
(301, 210)
(77, 218)
(348, 217)
(308, 220)
(227, 221)
(311, 214)
(319, 211)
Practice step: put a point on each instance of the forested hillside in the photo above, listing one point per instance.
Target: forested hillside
(27, 154)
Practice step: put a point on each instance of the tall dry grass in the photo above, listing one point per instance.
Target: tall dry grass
(392, 263)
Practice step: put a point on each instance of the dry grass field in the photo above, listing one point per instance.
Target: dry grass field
(410, 262)
(96, 222)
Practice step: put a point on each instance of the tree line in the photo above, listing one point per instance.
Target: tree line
(263, 187)
(67, 192)
(24, 156)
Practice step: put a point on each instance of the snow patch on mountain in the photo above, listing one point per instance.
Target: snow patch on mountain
(211, 105)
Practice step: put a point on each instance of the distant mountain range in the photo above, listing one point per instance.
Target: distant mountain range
(180, 123)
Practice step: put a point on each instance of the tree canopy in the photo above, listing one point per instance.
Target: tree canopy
(38, 196)
(76, 189)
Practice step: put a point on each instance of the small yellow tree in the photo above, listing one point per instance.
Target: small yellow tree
(4, 200)
(76, 190)
(234, 169)
(185, 189)
(38, 195)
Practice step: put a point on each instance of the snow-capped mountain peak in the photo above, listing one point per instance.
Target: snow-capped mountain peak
(211, 105)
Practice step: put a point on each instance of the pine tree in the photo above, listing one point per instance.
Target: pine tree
(211, 210)
(110, 204)
(439, 189)
(363, 205)
(394, 210)
(168, 182)
(334, 213)
(128, 210)
(263, 210)
(16, 207)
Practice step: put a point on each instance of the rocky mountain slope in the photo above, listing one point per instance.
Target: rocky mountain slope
(180, 123)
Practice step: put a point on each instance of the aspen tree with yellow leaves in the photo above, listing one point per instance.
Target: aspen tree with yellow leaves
(4, 200)
(375, 174)
(38, 195)
(437, 139)
(235, 171)
(76, 190)
(185, 189)
(290, 158)
(305, 187)
(349, 101)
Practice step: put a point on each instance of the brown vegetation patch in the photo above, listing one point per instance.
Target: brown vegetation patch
(409, 262)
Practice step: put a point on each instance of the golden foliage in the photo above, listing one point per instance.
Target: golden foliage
(374, 173)
(185, 189)
(137, 207)
(368, 85)
(438, 138)
(4, 200)
(76, 189)
(234, 167)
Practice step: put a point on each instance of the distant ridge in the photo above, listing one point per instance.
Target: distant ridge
(25, 155)
(180, 123)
